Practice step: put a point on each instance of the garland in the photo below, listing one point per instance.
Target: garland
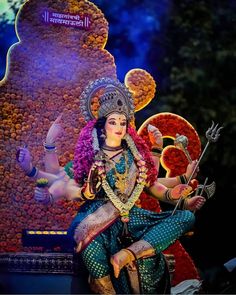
(124, 208)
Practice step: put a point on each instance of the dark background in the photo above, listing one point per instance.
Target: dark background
(189, 47)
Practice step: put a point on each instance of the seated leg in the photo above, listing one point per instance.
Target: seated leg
(126, 256)
(95, 259)
(102, 285)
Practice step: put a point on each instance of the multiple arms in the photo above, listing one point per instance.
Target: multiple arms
(156, 140)
(178, 189)
(60, 185)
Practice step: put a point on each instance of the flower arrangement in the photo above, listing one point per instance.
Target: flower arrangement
(175, 162)
(142, 86)
(169, 124)
(42, 182)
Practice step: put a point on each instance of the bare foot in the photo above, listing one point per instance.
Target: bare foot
(120, 259)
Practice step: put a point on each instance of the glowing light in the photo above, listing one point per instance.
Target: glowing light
(46, 232)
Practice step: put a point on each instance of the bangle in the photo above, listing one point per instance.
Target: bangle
(49, 147)
(182, 179)
(84, 197)
(33, 172)
(183, 204)
(156, 154)
(156, 151)
(167, 195)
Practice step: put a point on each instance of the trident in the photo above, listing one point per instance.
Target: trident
(212, 135)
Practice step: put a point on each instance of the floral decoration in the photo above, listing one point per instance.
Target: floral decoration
(173, 159)
(175, 163)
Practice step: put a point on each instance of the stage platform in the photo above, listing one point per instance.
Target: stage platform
(42, 273)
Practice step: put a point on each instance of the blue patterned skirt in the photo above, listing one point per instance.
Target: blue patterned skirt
(158, 229)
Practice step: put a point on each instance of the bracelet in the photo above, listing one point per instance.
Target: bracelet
(49, 147)
(181, 204)
(33, 172)
(182, 179)
(83, 197)
(156, 150)
(167, 195)
(156, 154)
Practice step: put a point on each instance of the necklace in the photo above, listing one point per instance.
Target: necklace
(111, 148)
(124, 206)
(120, 176)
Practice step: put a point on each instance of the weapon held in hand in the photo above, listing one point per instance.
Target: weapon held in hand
(212, 135)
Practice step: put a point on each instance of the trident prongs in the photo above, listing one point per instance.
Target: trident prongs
(181, 142)
(212, 133)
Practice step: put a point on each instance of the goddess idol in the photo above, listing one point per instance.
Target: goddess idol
(112, 166)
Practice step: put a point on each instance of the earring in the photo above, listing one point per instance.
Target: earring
(103, 135)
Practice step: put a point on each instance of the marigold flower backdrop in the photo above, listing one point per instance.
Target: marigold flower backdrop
(193, 72)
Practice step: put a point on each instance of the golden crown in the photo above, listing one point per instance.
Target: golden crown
(116, 98)
(113, 101)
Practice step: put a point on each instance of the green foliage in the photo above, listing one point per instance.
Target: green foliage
(200, 57)
(199, 84)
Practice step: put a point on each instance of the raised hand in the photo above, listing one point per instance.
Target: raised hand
(155, 136)
(24, 159)
(54, 131)
(195, 203)
(190, 169)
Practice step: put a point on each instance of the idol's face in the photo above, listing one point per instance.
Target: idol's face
(115, 126)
